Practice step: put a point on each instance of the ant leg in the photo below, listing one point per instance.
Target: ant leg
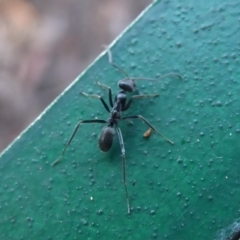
(109, 92)
(140, 117)
(123, 164)
(99, 97)
(72, 136)
(138, 96)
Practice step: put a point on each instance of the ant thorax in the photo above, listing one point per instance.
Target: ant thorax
(120, 101)
(121, 96)
(115, 114)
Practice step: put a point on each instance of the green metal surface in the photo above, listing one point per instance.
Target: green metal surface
(187, 191)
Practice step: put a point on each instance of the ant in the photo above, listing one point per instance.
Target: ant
(119, 105)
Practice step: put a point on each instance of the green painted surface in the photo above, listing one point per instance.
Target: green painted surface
(187, 191)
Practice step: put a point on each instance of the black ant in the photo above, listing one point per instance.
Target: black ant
(119, 105)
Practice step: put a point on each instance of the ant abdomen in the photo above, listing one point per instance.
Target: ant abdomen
(106, 138)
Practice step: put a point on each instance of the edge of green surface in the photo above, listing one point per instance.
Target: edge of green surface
(77, 78)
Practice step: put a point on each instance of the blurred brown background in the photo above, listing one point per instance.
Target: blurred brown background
(44, 45)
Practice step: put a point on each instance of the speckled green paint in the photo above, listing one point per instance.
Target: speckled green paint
(187, 191)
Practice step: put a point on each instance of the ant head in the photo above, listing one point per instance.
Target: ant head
(127, 84)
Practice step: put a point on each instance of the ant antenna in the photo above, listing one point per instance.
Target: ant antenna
(114, 65)
(136, 78)
(155, 79)
(163, 76)
(171, 74)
